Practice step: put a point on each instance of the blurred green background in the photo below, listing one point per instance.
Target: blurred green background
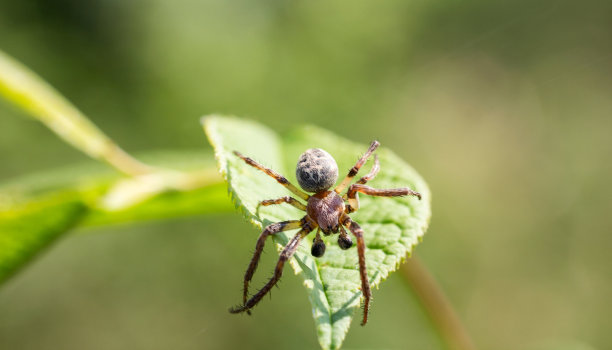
(505, 107)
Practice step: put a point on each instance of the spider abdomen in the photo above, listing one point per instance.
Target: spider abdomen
(316, 170)
(325, 208)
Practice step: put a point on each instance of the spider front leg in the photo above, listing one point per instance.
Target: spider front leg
(363, 274)
(278, 177)
(353, 200)
(355, 169)
(261, 241)
(286, 254)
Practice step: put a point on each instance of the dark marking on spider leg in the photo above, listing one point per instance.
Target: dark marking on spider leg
(261, 241)
(286, 254)
(353, 199)
(355, 169)
(289, 200)
(278, 177)
(371, 175)
(363, 274)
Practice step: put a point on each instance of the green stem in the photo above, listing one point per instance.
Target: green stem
(31, 93)
(437, 306)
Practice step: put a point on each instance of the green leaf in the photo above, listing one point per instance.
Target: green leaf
(194, 187)
(26, 230)
(38, 209)
(392, 225)
(150, 193)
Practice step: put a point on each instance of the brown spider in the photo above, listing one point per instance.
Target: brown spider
(317, 172)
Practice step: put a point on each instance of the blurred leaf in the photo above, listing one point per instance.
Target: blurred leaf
(28, 91)
(29, 229)
(392, 225)
(560, 344)
(38, 209)
(209, 199)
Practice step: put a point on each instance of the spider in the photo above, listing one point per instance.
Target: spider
(326, 211)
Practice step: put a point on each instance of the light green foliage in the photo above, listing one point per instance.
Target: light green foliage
(40, 208)
(32, 94)
(392, 225)
(26, 230)
(36, 210)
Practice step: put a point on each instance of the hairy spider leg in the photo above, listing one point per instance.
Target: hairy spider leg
(371, 175)
(363, 274)
(278, 177)
(286, 254)
(355, 169)
(261, 241)
(290, 200)
(353, 200)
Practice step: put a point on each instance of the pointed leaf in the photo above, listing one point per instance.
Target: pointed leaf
(392, 225)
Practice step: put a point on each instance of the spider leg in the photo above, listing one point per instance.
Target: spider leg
(372, 173)
(286, 254)
(278, 177)
(369, 176)
(261, 241)
(353, 200)
(355, 169)
(290, 200)
(363, 274)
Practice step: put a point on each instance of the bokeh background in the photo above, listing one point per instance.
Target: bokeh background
(505, 107)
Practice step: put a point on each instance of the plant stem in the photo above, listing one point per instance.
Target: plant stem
(31, 93)
(436, 305)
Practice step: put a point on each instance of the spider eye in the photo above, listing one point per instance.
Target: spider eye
(316, 170)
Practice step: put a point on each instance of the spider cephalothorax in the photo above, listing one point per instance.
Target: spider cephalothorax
(326, 211)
